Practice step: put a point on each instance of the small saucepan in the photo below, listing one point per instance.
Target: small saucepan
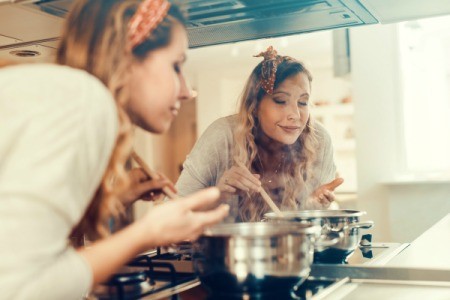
(346, 223)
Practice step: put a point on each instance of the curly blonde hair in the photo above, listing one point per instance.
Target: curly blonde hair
(300, 155)
(95, 39)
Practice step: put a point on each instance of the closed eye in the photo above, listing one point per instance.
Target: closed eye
(177, 67)
(279, 101)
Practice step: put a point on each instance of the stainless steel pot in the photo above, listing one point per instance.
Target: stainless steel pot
(254, 258)
(343, 222)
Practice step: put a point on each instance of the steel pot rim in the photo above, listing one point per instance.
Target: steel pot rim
(338, 213)
(259, 229)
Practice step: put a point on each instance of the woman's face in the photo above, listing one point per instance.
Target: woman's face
(158, 85)
(283, 115)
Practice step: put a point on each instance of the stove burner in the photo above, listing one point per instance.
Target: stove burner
(301, 292)
(144, 275)
(255, 296)
(124, 286)
(332, 256)
(127, 278)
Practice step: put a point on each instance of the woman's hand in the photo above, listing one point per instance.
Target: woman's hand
(238, 179)
(324, 195)
(141, 187)
(181, 219)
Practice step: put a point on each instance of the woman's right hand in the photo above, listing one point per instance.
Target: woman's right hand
(170, 222)
(181, 219)
(238, 179)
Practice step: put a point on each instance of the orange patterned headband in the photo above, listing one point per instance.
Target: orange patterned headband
(269, 68)
(147, 17)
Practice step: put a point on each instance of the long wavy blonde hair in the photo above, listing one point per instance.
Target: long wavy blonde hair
(94, 39)
(300, 155)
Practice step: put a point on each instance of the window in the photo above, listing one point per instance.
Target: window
(425, 68)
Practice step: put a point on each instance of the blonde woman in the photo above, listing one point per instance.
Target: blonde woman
(274, 136)
(65, 131)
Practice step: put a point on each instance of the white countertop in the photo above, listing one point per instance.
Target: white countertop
(429, 250)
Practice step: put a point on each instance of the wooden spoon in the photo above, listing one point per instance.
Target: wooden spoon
(152, 174)
(264, 195)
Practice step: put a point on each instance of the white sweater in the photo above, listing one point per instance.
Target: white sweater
(57, 129)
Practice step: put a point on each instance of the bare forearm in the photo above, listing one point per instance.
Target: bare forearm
(167, 223)
(106, 256)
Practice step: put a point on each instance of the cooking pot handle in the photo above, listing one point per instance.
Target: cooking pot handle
(363, 225)
(329, 239)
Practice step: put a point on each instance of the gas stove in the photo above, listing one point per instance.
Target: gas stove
(165, 274)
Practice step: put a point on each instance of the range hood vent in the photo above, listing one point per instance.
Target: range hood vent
(57, 8)
(212, 22)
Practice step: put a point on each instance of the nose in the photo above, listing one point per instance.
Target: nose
(185, 89)
(294, 112)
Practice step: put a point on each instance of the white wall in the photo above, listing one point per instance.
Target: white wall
(401, 211)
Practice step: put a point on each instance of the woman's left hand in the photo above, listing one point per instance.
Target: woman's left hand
(141, 187)
(324, 194)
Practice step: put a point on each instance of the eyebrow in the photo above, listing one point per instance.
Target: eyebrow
(282, 92)
(286, 93)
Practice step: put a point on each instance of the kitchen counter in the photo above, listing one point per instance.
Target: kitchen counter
(429, 250)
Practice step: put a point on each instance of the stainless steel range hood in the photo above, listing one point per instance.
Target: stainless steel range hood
(214, 22)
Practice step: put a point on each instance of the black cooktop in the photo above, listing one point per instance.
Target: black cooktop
(153, 275)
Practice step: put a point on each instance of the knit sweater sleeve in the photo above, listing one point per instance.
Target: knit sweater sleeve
(326, 165)
(209, 158)
(324, 169)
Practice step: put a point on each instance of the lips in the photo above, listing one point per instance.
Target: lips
(175, 108)
(290, 129)
(174, 111)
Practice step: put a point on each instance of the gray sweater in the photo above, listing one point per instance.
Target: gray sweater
(212, 156)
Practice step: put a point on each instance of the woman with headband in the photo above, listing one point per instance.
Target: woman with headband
(272, 143)
(65, 140)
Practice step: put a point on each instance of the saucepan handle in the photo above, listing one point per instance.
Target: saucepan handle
(362, 225)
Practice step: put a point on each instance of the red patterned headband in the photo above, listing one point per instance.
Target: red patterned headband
(269, 68)
(147, 17)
